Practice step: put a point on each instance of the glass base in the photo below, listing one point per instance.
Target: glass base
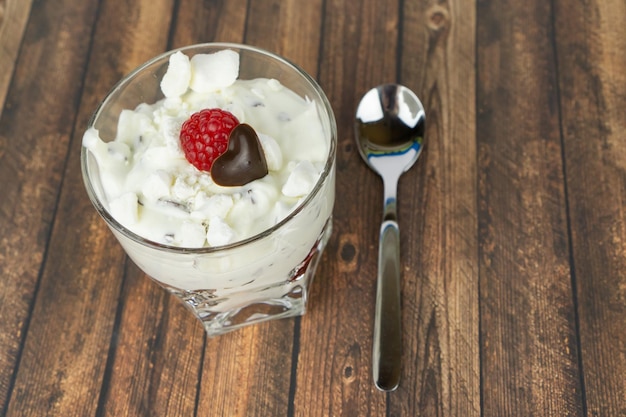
(287, 297)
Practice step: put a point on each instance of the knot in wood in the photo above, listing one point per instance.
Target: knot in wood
(348, 251)
(438, 18)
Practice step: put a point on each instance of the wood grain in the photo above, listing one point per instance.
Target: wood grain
(259, 359)
(155, 353)
(291, 29)
(209, 21)
(528, 336)
(249, 372)
(441, 297)
(144, 373)
(591, 44)
(32, 158)
(13, 18)
(75, 313)
(512, 222)
(340, 324)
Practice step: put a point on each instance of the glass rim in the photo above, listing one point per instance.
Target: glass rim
(328, 166)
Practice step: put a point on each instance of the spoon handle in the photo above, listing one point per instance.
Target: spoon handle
(387, 349)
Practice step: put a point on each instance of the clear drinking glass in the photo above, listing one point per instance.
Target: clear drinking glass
(266, 276)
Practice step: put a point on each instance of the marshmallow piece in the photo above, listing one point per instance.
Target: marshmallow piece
(260, 197)
(191, 235)
(303, 129)
(242, 215)
(170, 131)
(113, 159)
(132, 125)
(273, 154)
(236, 110)
(111, 170)
(176, 80)
(274, 84)
(195, 102)
(157, 185)
(92, 141)
(125, 209)
(211, 72)
(158, 157)
(145, 109)
(280, 211)
(219, 233)
(217, 205)
(119, 151)
(184, 189)
(301, 180)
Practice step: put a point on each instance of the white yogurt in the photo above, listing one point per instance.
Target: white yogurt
(152, 190)
(185, 227)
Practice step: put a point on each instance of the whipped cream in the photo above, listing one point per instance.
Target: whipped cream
(152, 190)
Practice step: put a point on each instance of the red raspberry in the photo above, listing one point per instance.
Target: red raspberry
(204, 136)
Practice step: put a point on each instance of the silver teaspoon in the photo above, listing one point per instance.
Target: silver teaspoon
(389, 130)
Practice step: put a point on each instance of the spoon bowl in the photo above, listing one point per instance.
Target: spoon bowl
(389, 131)
(390, 126)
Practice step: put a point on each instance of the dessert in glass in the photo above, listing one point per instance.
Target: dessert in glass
(214, 167)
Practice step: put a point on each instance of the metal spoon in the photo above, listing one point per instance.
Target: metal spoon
(389, 131)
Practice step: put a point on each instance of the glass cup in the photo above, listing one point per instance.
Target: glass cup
(264, 277)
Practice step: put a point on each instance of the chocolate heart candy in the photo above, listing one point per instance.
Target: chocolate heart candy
(243, 161)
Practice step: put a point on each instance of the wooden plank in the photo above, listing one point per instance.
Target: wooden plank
(34, 139)
(75, 310)
(591, 45)
(155, 356)
(156, 353)
(289, 28)
(249, 372)
(246, 372)
(214, 21)
(13, 18)
(159, 346)
(442, 362)
(334, 365)
(528, 335)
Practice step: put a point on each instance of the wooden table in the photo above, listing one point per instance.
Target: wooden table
(513, 221)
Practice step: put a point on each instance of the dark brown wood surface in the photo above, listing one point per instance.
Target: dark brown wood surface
(513, 222)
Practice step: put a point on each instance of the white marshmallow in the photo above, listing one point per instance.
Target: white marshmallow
(301, 180)
(92, 141)
(219, 233)
(211, 72)
(274, 84)
(157, 185)
(183, 188)
(217, 205)
(132, 125)
(273, 154)
(119, 151)
(170, 130)
(301, 129)
(158, 157)
(165, 190)
(125, 209)
(280, 211)
(191, 235)
(176, 80)
(99, 148)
